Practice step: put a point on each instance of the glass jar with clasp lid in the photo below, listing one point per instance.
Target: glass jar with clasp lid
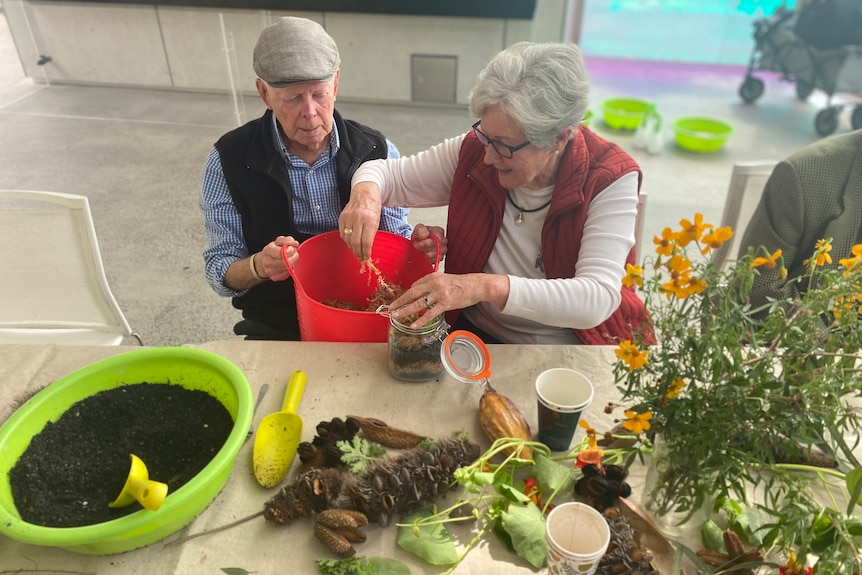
(414, 354)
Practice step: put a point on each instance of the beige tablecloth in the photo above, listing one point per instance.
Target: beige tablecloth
(342, 379)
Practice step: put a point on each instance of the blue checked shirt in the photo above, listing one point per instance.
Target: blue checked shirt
(315, 206)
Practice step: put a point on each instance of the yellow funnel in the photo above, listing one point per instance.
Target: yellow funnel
(140, 488)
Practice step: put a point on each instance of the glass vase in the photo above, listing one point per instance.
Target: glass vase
(679, 501)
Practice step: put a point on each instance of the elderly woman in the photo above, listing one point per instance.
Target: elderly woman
(541, 211)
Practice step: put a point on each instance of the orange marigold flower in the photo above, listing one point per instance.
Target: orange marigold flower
(665, 243)
(675, 388)
(715, 239)
(692, 231)
(822, 256)
(679, 266)
(855, 260)
(637, 423)
(693, 286)
(631, 355)
(634, 275)
(768, 263)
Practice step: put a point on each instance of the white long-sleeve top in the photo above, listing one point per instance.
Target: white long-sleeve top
(538, 310)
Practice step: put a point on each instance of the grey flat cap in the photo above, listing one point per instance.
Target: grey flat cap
(294, 50)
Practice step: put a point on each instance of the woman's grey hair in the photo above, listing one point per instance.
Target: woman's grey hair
(544, 87)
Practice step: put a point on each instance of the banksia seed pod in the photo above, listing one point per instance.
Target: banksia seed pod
(314, 491)
(337, 528)
(410, 481)
(713, 558)
(379, 431)
(733, 544)
(499, 418)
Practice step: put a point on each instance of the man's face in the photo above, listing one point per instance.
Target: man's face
(303, 110)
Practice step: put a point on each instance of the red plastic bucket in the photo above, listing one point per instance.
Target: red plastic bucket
(328, 271)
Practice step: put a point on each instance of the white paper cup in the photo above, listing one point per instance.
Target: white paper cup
(578, 537)
(563, 394)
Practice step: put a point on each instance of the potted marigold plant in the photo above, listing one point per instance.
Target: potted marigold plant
(751, 405)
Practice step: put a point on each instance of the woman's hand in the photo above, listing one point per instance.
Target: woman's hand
(423, 241)
(360, 219)
(437, 293)
(270, 257)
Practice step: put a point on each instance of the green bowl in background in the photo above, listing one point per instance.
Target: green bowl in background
(588, 117)
(191, 368)
(624, 113)
(701, 134)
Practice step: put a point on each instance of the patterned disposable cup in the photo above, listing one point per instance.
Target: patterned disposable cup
(563, 394)
(578, 537)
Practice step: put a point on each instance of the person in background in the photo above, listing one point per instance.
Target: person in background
(541, 211)
(814, 194)
(283, 177)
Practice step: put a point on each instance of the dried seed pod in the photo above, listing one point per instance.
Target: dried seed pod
(417, 488)
(314, 491)
(335, 518)
(499, 418)
(733, 544)
(337, 528)
(382, 433)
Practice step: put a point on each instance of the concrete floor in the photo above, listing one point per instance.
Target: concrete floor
(138, 156)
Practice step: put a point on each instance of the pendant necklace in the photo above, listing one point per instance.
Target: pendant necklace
(519, 219)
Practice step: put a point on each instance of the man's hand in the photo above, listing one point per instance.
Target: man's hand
(271, 260)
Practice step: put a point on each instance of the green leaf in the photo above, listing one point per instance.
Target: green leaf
(386, 566)
(359, 454)
(526, 526)
(512, 493)
(234, 570)
(430, 542)
(854, 486)
(713, 536)
(362, 566)
(552, 476)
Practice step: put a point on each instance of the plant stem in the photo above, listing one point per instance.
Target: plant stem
(469, 546)
(810, 469)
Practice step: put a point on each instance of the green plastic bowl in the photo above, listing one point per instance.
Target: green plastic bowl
(588, 117)
(191, 368)
(700, 134)
(624, 113)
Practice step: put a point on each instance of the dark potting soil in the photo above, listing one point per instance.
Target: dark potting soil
(77, 465)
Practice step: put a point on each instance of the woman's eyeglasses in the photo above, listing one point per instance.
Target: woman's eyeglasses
(503, 150)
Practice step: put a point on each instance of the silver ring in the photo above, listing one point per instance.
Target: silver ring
(427, 303)
(348, 231)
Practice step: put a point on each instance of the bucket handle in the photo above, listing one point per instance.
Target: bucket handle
(437, 253)
(289, 267)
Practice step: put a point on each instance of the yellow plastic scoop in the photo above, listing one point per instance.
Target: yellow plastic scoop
(139, 487)
(278, 436)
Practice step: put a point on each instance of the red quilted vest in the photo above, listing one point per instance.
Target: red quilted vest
(476, 207)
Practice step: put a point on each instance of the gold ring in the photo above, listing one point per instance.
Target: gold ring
(348, 231)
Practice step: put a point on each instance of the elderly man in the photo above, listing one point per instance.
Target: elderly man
(283, 177)
(814, 194)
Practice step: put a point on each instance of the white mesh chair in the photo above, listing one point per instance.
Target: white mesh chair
(53, 287)
(747, 181)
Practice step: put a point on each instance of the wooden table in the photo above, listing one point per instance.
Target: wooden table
(343, 378)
